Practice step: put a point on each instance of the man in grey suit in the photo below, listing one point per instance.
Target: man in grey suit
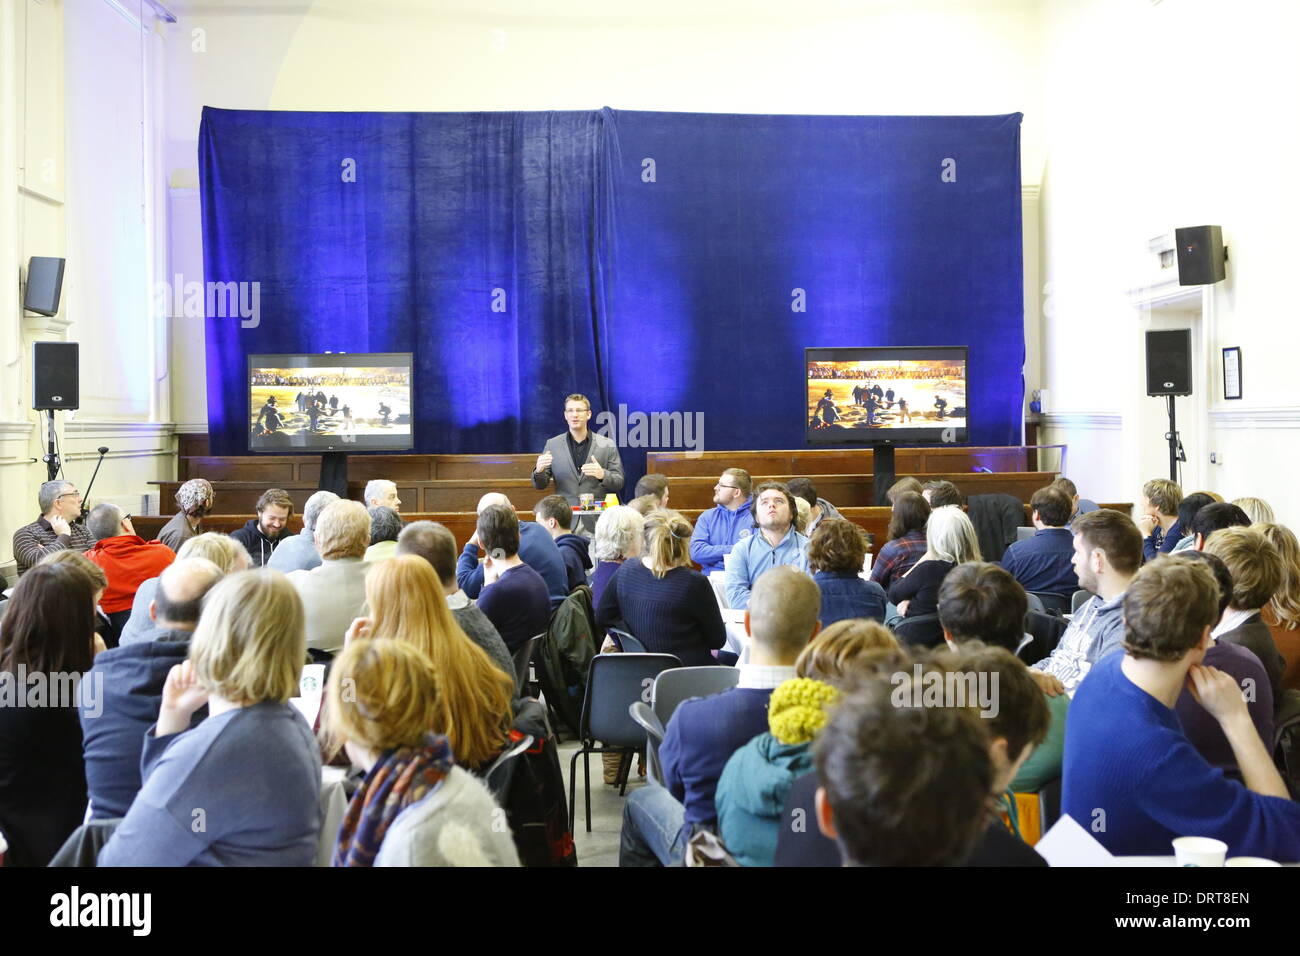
(580, 461)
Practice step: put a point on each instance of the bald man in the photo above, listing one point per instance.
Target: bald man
(537, 549)
(127, 682)
(704, 732)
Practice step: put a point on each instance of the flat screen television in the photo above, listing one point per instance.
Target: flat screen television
(361, 401)
(913, 395)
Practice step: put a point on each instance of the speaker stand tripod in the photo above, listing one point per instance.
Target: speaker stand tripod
(1176, 453)
(51, 457)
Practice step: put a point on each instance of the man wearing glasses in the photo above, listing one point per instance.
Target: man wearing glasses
(718, 529)
(53, 531)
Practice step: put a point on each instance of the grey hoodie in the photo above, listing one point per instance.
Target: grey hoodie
(1096, 630)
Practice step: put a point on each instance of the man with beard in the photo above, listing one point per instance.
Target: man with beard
(776, 544)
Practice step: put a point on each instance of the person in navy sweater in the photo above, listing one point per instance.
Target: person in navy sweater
(1131, 775)
(1159, 519)
(835, 554)
(555, 515)
(536, 549)
(1045, 562)
(703, 733)
(514, 596)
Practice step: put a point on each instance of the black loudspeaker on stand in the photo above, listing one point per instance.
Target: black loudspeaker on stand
(55, 370)
(1169, 374)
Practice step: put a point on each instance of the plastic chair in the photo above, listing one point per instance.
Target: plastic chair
(1046, 632)
(523, 658)
(670, 689)
(1035, 602)
(1054, 604)
(626, 642)
(924, 630)
(1076, 601)
(613, 682)
(654, 735)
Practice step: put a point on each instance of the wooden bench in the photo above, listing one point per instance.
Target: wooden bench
(839, 461)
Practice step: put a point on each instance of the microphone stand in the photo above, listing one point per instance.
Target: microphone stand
(103, 450)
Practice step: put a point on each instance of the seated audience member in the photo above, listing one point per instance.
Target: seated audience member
(901, 487)
(252, 765)
(1187, 511)
(727, 523)
(802, 515)
(1045, 562)
(406, 604)
(415, 807)
(54, 530)
(835, 556)
(949, 541)
(113, 728)
(1238, 663)
(1126, 756)
(263, 534)
(1158, 521)
(1016, 727)
(78, 559)
(704, 732)
(1256, 570)
(759, 776)
(902, 785)
(437, 545)
(514, 595)
(1257, 509)
(48, 630)
(1282, 614)
(618, 537)
(1215, 517)
(221, 549)
(818, 508)
(644, 504)
(381, 493)
(334, 592)
(656, 485)
(906, 541)
(774, 543)
(1107, 553)
(941, 494)
(385, 526)
(556, 515)
(196, 499)
(126, 558)
(982, 602)
(661, 600)
(1078, 506)
(536, 549)
(298, 552)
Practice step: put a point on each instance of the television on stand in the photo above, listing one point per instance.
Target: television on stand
(885, 396)
(330, 402)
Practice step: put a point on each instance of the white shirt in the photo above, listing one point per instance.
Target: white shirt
(756, 677)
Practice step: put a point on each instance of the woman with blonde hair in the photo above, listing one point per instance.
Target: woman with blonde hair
(1257, 509)
(1282, 612)
(950, 540)
(242, 788)
(838, 651)
(407, 604)
(415, 807)
(663, 602)
(221, 549)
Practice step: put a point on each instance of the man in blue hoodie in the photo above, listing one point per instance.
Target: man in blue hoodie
(718, 529)
(556, 515)
(129, 684)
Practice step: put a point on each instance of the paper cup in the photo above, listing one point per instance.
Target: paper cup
(1199, 851)
(1250, 861)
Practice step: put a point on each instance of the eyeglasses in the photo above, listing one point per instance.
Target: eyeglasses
(732, 487)
(70, 494)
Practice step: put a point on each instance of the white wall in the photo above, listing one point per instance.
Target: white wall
(1174, 114)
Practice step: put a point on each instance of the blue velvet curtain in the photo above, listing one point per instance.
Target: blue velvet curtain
(658, 261)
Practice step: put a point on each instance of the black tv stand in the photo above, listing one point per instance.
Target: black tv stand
(334, 472)
(882, 472)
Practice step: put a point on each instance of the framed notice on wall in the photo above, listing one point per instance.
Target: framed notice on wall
(1232, 372)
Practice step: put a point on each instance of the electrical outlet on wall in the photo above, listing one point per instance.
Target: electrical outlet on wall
(1216, 458)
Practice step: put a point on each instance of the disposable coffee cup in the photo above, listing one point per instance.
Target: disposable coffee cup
(1250, 861)
(1199, 851)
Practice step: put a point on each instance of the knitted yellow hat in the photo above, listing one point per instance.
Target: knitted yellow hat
(797, 710)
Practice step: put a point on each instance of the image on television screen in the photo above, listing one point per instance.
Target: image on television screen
(875, 395)
(358, 402)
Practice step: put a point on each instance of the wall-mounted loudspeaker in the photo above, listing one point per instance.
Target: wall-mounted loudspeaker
(1169, 362)
(44, 285)
(1200, 255)
(54, 375)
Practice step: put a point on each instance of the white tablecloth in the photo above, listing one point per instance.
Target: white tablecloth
(333, 804)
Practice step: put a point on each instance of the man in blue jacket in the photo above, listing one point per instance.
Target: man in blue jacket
(129, 680)
(536, 549)
(1045, 562)
(776, 543)
(718, 529)
(704, 732)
